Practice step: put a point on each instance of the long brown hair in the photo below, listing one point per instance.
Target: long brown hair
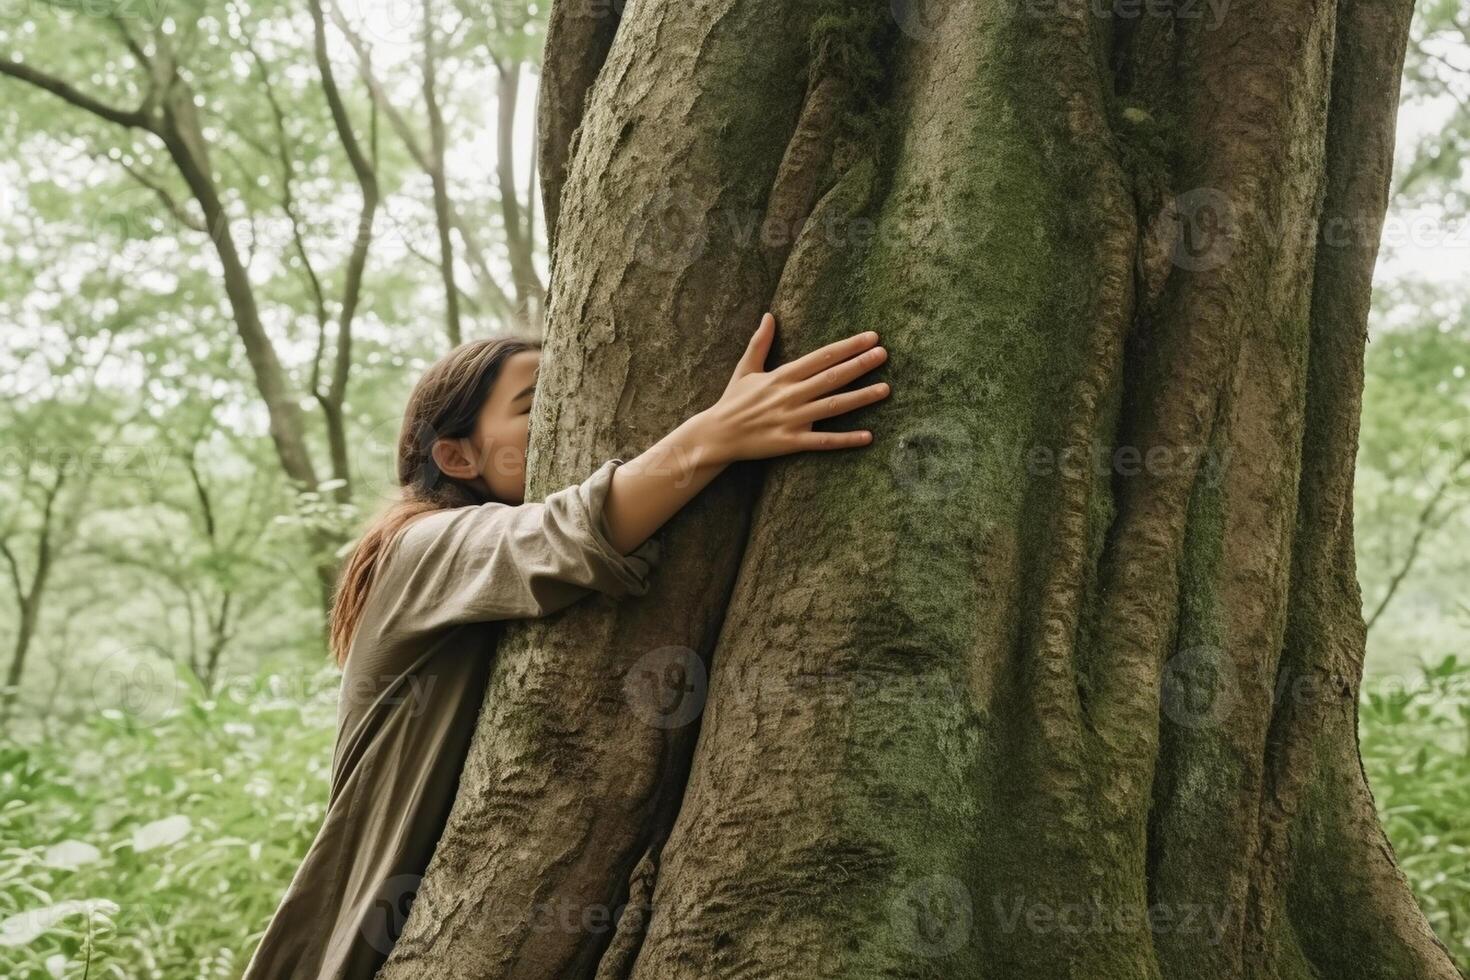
(443, 405)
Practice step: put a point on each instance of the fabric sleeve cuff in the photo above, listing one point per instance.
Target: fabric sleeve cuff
(629, 572)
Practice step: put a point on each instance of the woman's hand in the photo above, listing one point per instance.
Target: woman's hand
(770, 413)
(762, 413)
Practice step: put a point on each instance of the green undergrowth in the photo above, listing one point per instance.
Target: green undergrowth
(156, 842)
(1415, 737)
(160, 849)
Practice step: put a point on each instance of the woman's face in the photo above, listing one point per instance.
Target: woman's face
(500, 435)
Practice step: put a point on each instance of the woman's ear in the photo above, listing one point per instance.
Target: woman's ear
(453, 459)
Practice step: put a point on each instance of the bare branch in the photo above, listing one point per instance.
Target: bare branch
(283, 150)
(20, 589)
(474, 251)
(1426, 522)
(132, 44)
(367, 180)
(437, 178)
(174, 208)
(135, 119)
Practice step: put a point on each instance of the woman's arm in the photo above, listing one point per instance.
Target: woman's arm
(761, 414)
(502, 561)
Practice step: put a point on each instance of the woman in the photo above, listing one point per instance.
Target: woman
(417, 607)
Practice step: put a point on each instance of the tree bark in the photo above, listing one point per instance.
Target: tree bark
(1059, 677)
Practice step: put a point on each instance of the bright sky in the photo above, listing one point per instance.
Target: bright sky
(1422, 243)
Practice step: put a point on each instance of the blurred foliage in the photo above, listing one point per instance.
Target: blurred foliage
(154, 836)
(1416, 751)
(1437, 68)
(1412, 492)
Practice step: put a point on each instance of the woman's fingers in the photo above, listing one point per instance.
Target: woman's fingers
(838, 375)
(832, 440)
(805, 389)
(839, 404)
(758, 349)
(809, 364)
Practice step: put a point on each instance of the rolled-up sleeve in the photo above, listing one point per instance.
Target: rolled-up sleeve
(502, 561)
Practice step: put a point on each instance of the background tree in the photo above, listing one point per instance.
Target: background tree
(1416, 425)
(241, 168)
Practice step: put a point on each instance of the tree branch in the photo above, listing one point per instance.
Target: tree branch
(577, 43)
(134, 119)
(367, 180)
(173, 207)
(1423, 526)
(474, 251)
(439, 181)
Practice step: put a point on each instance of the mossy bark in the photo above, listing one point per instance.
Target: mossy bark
(1058, 678)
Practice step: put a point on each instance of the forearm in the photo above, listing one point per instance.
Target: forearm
(653, 486)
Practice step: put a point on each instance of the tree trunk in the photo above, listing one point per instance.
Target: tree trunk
(1059, 677)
